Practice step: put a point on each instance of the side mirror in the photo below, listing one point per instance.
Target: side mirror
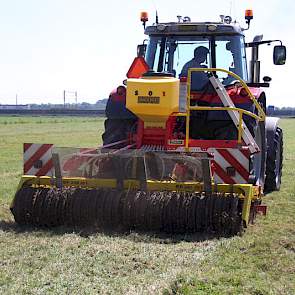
(141, 49)
(279, 55)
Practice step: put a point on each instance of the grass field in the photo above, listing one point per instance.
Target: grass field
(64, 261)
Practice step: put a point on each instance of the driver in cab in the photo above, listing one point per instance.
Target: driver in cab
(199, 79)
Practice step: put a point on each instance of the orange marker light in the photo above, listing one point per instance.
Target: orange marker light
(144, 16)
(249, 14)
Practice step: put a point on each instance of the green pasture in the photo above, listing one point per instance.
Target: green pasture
(81, 261)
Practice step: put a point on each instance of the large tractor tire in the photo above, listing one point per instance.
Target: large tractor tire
(116, 130)
(274, 163)
(120, 121)
(258, 160)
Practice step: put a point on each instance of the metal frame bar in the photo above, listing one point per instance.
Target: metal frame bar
(234, 115)
(243, 189)
(260, 116)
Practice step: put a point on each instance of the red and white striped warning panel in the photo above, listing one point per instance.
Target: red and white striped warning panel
(231, 166)
(38, 159)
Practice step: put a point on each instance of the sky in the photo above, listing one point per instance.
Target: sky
(48, 46)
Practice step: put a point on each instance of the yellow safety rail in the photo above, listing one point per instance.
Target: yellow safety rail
(189, 108)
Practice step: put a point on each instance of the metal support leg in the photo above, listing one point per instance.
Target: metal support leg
(57, 170)
(247, 206)
(119, 171)
(206, 176)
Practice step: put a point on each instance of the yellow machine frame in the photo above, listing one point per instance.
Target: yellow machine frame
(246, 192)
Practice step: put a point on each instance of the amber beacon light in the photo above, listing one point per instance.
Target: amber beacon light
(248, 15)
(144, 17)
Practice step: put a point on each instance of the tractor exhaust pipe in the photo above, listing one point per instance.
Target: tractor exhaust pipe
(254, 66)
(254, 62)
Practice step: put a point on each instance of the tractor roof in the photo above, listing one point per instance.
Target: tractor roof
(194, 28)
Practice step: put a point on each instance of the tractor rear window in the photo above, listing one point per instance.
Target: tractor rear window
(175, 54)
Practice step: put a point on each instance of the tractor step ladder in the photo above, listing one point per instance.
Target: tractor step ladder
(227, 102)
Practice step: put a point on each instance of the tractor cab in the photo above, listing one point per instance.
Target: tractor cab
(172, 47)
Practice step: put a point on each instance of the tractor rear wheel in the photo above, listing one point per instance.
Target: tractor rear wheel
(116, 130)
(274, 163)
(257, 161)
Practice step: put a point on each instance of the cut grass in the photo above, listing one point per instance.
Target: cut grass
(65, 261)
(262, 261)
